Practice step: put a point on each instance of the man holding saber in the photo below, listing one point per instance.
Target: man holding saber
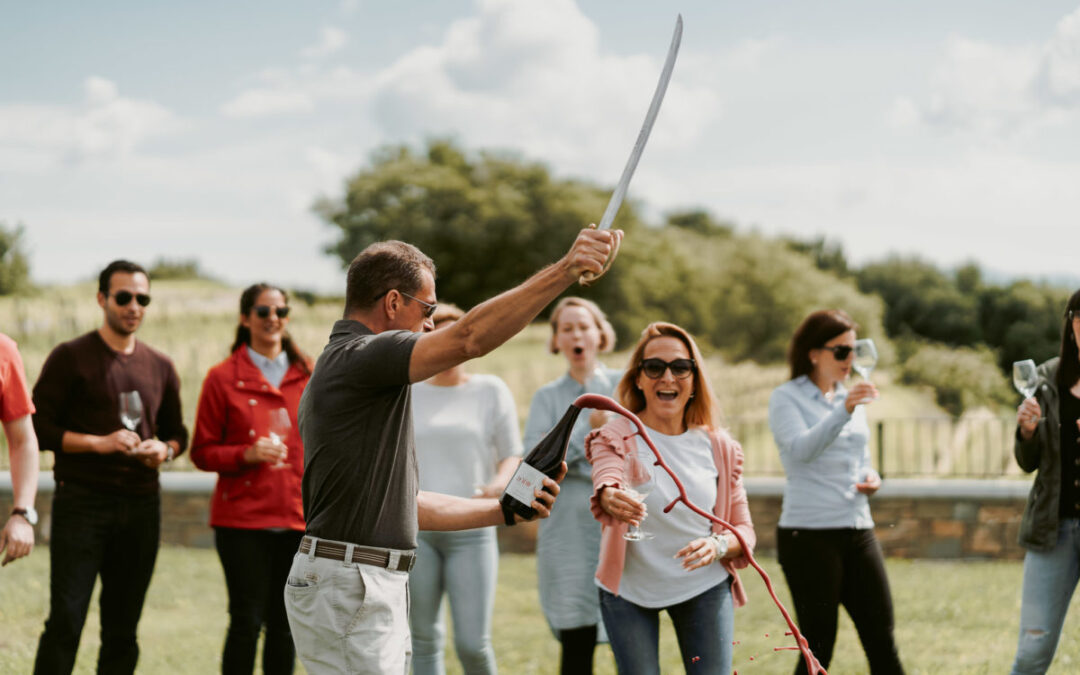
(346, 594)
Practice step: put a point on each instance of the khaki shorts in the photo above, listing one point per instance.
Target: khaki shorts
(348, 617)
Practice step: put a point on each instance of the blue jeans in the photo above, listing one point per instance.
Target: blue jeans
(1049, 581)
(704, 626)
(95, 533)
(463, 566)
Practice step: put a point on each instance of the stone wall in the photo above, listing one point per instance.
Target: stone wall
(914, 518)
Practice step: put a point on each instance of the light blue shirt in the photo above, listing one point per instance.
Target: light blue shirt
(825, 452)
(549, 404)
(272, 369)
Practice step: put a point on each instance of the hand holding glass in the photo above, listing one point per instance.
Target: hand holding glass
(278, 429)
(865, 357)
(1025, 378)
(638, 480)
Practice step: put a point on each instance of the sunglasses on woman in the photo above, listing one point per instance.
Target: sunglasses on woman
(124, 298)
(263, 311)
(680, 368)
(840, 352)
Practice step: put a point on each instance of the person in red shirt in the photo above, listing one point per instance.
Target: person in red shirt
(246, 431)
(17, 536)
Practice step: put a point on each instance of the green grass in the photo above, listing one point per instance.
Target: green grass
(952, 618)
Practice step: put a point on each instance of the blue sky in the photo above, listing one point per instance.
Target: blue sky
(197, 129)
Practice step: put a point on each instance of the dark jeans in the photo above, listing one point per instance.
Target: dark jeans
(256, 564)
(704, 626)
(828, 568)
(94, 534)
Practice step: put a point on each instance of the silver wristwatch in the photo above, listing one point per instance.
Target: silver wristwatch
(28, 514)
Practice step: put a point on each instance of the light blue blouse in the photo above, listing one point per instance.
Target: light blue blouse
(568, 542)
(549, 404)
(272, 369)
(825, 452)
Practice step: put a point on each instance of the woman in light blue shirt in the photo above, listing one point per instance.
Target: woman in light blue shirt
(825, 539)
(568, 543)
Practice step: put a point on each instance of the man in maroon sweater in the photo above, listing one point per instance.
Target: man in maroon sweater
(106, 515)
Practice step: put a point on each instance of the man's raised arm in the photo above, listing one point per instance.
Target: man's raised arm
(495, 321)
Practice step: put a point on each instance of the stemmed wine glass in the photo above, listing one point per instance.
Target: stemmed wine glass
(865, 357)
(278, 429)
(131, 409)
(639, 483)
(1025, 377)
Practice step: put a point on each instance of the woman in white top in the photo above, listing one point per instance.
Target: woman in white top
(467, 444)
(665, 385)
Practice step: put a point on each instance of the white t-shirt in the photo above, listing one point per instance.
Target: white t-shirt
(652, 575)
(462, 433)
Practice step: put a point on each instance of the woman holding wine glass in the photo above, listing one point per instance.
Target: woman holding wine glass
(568, 542)
(1048, 441)
(245, 430)
(825, 538)
(669, 567)
(467, 444)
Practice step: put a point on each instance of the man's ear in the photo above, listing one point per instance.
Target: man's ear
(101, 299)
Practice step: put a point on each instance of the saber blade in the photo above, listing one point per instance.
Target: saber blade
(643, 137)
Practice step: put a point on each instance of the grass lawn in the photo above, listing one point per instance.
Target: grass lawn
(952, 617)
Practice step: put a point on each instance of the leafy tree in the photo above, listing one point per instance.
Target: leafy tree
(1023, 321)
(827, 255)
(14, 264)
(700, 221)
(922, 301)
(961, 377)
(487, 220)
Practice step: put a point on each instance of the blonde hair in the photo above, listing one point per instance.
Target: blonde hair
(607, 333)
(702, 410)
(446, 311)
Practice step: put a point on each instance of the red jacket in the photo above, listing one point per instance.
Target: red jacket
(233, 412)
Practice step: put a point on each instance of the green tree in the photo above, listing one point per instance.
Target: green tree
(922, 301)
(487, 220)
(14, 264)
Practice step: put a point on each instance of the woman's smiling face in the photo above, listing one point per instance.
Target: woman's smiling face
(667, 396)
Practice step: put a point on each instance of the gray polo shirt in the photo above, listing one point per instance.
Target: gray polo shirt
(360, 476)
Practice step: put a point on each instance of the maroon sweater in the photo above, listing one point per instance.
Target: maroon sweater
(79, 390)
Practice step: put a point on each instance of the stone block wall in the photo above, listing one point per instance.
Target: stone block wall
(914, 518)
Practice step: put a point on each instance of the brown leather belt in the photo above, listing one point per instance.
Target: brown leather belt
(399, 561)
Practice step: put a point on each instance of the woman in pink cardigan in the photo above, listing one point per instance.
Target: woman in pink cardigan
(666, 386)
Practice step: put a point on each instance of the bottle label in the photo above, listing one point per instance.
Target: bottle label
(524, 484)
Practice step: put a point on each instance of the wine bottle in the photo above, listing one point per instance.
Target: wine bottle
(543, 460)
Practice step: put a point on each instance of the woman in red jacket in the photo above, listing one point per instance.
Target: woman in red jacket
(246, 431)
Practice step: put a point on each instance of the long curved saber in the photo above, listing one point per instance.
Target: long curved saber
(643, 137)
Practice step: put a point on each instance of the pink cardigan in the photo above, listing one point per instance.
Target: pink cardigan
(606, 447)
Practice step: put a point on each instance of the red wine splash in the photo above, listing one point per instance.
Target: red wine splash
(599, 402)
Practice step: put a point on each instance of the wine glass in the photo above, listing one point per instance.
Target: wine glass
(278, 427)
(639, 483)
(1025, 377)
(131, 409)
(865, 357)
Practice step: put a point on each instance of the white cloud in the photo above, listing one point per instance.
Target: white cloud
(264, 102)
(330, 40)
(530, 75)
(105, 125)
(999, 90)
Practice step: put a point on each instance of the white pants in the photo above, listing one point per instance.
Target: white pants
(348, 617)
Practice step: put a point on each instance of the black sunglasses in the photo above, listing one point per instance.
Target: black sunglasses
(840, 352)
(263, 311)
(124, 298)
(680, 368)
